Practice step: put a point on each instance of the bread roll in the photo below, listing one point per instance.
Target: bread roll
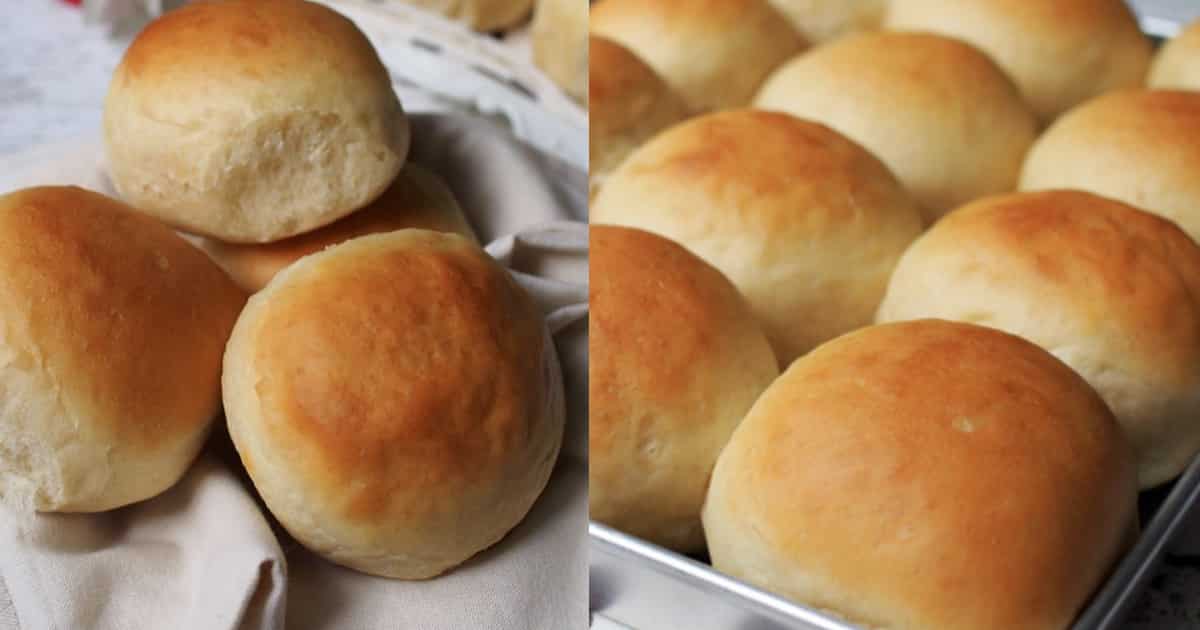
(1140, 147)
(823, 20)
(252, 120)
(629, 104)
(676, 361)
(1177, 64)
(417, 199)
(805, 223)
(938, 112)
(926, 475)
(395, 401)
(480, 15)
(714, 53)
(560, 49)
(113, 329)
(1060, 52)
(1112, 291)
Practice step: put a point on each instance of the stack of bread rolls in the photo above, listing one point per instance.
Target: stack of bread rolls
(966, 231)
(388, 386)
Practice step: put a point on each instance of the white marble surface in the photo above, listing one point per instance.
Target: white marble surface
(54, 70)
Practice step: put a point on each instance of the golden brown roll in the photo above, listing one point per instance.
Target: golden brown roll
(480, 15)
(1177, 63)
(1137, 146)
(676, 360)
(823, 20)
(1060, 53)
(252, 120)
(559, 36)
(926, 475)
(395, 401)
(417, 199)
(1112, 291)
(939, 113)
(805, 223)
(113, 328)
(629, 104)
(714, 53)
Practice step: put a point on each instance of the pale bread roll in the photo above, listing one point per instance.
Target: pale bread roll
(926, 475)
(480, 15)
(939, 113)
(676, 360)
(714, 53)
(1177, 63)
(822, 20)
(1137, 146)
(806, 223)
(252, 120)
(629, 104)
(1110, 290)
(417, 199)
(395, 401)
(559, 36)
(113, 328)
(1059, 52)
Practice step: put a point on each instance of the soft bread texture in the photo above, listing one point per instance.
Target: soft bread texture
(559, 37)
(806, 223)
(1137, 146)
(394, 399)
(822, 20)
(111, 331)
(1060, 53)
(417, 199)
(1110, 290)
(676, 360)
(629, 103)
(252, 120)
(481, 15)
(944, 118)
(926, 475)
(714, 53)
(1177, 64)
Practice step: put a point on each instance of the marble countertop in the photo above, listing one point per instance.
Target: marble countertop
(54, 70)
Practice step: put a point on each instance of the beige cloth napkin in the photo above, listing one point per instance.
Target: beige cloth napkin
(204, 556)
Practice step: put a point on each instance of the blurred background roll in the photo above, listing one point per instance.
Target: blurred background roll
(822, 20)
(1177, 63)
(113, 329)
(560, 48)
(417, 199)
(676, 360)
(714, 53)
(1112, 291)
(806, 223)
(481, 15)
(939, 113)
(926, 475)
(1137, 146)
(629, 104)
(1059, 52)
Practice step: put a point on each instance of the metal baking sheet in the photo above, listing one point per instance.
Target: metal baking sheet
(639, 586)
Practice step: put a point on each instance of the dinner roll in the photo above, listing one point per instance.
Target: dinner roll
(823, 20)
(1140, 147)
(714, 53)
(481, 15)
(926, 475)
(396, 401)
(1060, 53)
(676, 361)
(629, 103)
(938, 112)
(113, 328)
(1177, 64)
(252, 120)
(1112, 291)
(417, 199)
(560, 49)
(805, 223)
